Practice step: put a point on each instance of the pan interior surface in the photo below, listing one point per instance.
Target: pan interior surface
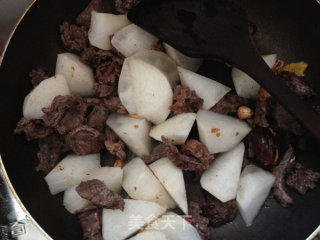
(290, 28)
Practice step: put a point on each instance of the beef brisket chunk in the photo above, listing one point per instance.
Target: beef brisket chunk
(84, 18)
(37, 75)
(91, 221)
(115, 145)
(198, 221)
(185, 100)
(33, 128)
(229, 104)
(65, 113)
(98, 193)
(85, 140)
(123, 6)
(158, 152)
(73, 37)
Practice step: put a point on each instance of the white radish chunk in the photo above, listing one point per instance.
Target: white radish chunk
(254, 187)
(182, 60)
(140, 183)
(176, 129)
(245, 86)
(71, 171)
(79, 76)
(221, 179)
(43, 94)
(171, 177)
(103, 25)
(209, 90)
(150, 234)
(118, 225)
(145, 85)
(176, 227)
(132, 39)
(133, 131)
(72, 200)
(219, 132)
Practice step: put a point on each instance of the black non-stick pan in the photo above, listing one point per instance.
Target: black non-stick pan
(290, 28)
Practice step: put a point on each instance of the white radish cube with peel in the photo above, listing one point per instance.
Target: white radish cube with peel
(132, 39)
(79, 76)
(150, 235)
(133, 131)
(221, 179)
(140, 183)
(209, 90)
(254, 187)
(72, 200)
(118, 225)
(246, 86)
(103, 26)
(43, 94)
(70, 171)
(171, 177)
(176, 129)
(182, 60)
(220, 132)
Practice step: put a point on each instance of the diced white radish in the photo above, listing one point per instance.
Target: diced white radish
(118, 225)
(132, 39)
(110, 176)
(140, 183)
(182, 60)
(145, 85)
(71, 171)
(254, 187)
(43, 94)
(222, 177)
(79, 76)
(150, 234)
(245, 86)
(171, 177)
(209, 90)
(133, 131)
(176, 227)
(176, 129)
(219, 132)
(103, 25)
(72, 200)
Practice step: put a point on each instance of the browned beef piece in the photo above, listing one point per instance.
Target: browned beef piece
(91, 221)
(50, 149)
(37, 75)
(95, 56)
(229, 104)
(198, 221)
(198, 150)
(97, 192)
(301, 178)
(182, 161)
(115, 145)
(285, 122)
(158, 152)
(73, 37)
(65, 113)
(261, 112)
(218, 212)
(114, 105)
(104, 90)
(297, 84)
(85, 16)
(33, 128)
(123, 6)
(85, 140)
(98, 116)
(185, 100)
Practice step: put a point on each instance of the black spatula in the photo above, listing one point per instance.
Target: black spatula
(218, 29)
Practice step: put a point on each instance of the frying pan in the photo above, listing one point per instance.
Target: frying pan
(290, 28)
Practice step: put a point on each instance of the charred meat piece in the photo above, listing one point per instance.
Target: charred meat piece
(37, 75)
(98, 193)
(91, 221)
(65, 113)
(73, 37)
(301, 178)
(158, 152)
(123, 6)
(115, 145)
(98, 116)
(229, 104)
(198, 221)
(185, 100)
(85, 140)
(114, 105)
(85, 16)
(33, 128)
(50, 149)
(219, 212)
